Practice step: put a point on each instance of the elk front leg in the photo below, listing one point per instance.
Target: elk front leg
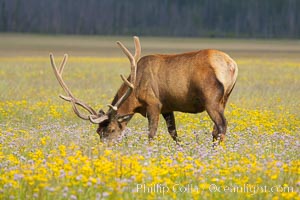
(170, 120)
(153, 117)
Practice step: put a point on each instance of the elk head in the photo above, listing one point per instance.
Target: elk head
(111, 124)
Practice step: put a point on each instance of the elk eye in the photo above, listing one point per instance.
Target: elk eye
(120, 126)
(101, 112)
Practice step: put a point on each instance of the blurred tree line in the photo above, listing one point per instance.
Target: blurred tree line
(209, 18)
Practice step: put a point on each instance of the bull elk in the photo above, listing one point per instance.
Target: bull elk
(190, 82)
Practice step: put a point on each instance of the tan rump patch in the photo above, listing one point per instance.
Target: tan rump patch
(225, 69)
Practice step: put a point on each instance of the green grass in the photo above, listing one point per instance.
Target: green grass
(46, 152)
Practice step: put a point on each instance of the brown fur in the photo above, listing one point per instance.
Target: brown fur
(190, 82)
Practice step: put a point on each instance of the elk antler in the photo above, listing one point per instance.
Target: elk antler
(133, 61)
(93, 117)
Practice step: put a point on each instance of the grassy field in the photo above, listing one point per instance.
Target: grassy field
(46, 152)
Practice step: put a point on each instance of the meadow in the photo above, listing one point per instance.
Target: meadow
(46, 152)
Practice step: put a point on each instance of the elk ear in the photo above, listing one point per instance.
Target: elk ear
(124, 118)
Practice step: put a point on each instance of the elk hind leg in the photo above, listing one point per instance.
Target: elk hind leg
(216, 114)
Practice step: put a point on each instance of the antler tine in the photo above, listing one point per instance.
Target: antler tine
(98, 120)
(133, 61)
(82, 116)
(63, 63)
(138, 50)
(126, 95)
(58, 74)
(126, 52)
(80, 103)
(71, 98)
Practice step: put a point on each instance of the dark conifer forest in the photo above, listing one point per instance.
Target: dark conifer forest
(184, 18)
